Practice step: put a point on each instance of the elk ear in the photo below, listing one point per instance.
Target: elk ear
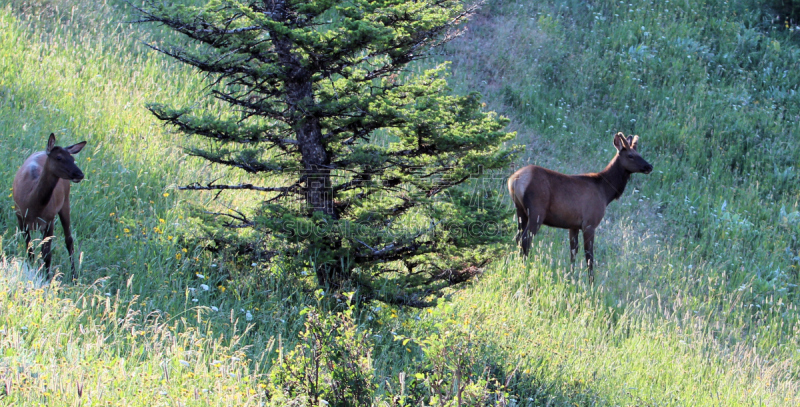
(75, 148)
(635, 142)
(51, 142)
(619, 142)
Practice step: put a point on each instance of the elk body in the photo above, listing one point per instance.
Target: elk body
(573, 202)
(41, 190)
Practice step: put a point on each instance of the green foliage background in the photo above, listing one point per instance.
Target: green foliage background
(698, 262)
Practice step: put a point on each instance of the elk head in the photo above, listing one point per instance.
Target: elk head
(60, 161)
(629, 158)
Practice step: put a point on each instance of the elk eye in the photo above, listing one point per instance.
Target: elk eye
(630, 155)
(58, 158)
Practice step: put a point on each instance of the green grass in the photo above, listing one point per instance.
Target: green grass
(139, 307)
(78, 348)
(698, 262)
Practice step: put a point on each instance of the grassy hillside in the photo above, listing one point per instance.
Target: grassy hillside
(698, 261)
(152, 319)
(697, 264)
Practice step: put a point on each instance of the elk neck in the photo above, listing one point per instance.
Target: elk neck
(613, 179)
(43, 191)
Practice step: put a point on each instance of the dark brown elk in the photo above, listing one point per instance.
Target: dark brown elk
(41, 190)
(574, 202)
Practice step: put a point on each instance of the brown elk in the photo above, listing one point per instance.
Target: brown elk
(574, 202)
(41, 190)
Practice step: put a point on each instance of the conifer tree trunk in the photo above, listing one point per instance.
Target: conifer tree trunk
(315, 160)
(316, 166)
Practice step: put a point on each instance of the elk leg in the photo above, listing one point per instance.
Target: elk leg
(29, 246)
(588, 248)
(46, 255)
(535, 212)
(26, 232)
(68, 240)
(532, 227)
(573, 245)
(522, 221)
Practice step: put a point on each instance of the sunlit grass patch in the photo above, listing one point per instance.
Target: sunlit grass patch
(140, 307)
(73, 345)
